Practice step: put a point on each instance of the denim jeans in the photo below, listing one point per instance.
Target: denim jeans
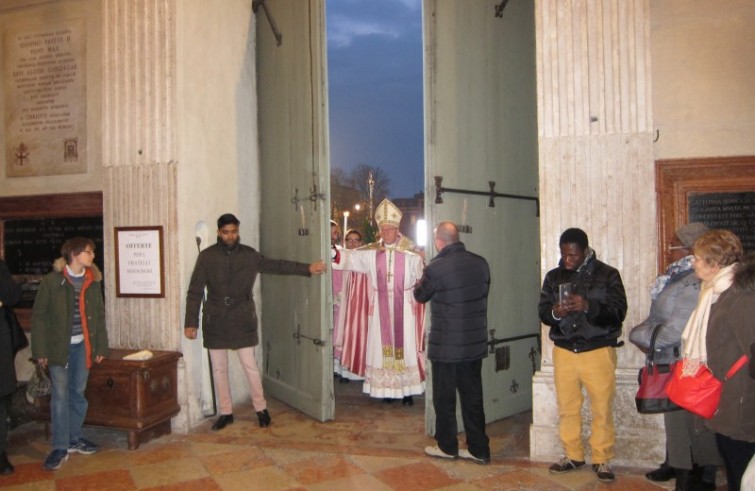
(68, 406)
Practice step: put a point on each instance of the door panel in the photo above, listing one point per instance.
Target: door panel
(480, 126)
(292, 112)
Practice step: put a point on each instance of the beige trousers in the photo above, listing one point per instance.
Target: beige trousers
(219, 359)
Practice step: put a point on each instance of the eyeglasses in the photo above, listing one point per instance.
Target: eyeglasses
(353, 240)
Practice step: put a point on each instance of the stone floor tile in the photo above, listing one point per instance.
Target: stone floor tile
(168, 472)
(204, 484)
(422, 476)
(115, 480)
(322, 468)
(240, 459)
(360, 482)
(371, 446)
(263, 479)
(517, 480)
(28, 473)
(372, 463)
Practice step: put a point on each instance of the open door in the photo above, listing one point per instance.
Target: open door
(481, 126)
(292, 111)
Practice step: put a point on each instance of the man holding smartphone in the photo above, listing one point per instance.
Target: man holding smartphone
(585, 326)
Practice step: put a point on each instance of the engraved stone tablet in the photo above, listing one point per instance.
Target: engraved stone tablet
(45, 100)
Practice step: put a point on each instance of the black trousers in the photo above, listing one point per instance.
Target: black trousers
(4, 401)
(736, 454)
(466, 378)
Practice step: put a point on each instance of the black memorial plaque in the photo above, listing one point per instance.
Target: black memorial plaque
(734, 211)
(31, 245)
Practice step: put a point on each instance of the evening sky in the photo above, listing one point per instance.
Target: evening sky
(375, 88)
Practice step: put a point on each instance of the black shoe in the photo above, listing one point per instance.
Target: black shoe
(604, 472)
(6, 467)
(223, 420)
(566, 465)
(703, 486)
(683, 480)
(662, 474)
(704, 477)
(264, 418)
(408, 401)
(387, 400)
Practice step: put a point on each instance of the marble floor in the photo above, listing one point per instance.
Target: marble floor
(370, 445)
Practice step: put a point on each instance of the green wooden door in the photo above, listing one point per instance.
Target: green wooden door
(292, 118)
(481, 126)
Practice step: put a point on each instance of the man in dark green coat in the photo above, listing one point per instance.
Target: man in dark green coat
(228, 270)
(68, 334)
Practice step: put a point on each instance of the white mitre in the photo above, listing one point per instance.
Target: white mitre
(387, 214)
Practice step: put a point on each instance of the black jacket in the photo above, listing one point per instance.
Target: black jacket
(457, 281)
(229, 319)
(10, 294)
(600, 326)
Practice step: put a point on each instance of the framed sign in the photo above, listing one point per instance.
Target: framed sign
(719, 192)
(139, 262)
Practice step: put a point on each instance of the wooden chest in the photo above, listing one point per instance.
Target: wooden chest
(139, 397)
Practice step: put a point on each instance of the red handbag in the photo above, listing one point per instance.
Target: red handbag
(651, 396)
(701, 392)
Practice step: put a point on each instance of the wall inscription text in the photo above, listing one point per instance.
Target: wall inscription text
(45, 100)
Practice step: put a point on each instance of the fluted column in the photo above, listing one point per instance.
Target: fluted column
(139, 158)
(595, 139)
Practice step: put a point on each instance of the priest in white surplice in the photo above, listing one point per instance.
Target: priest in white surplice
(394, 360)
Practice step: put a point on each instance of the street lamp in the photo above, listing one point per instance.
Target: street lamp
(345, 226)
(371, 183)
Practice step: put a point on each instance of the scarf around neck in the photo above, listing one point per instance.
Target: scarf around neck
(694, 351)
(675, 269)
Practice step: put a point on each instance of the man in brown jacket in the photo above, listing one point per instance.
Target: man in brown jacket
(228, 269)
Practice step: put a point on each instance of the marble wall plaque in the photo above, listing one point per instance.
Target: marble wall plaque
(44, 88)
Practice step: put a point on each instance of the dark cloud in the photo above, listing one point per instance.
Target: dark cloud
(375, 88)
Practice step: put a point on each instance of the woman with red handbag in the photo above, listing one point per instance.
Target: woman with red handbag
(729, 335)
(674, 296)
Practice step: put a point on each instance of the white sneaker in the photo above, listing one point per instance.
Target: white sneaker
(435, 451)
(467, 455)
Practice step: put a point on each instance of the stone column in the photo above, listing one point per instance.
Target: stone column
(595, 140)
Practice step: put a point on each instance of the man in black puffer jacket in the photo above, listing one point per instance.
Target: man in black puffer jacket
(585, 327)
(457, 281)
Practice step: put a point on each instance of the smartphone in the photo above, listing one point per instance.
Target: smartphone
(564, 292)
